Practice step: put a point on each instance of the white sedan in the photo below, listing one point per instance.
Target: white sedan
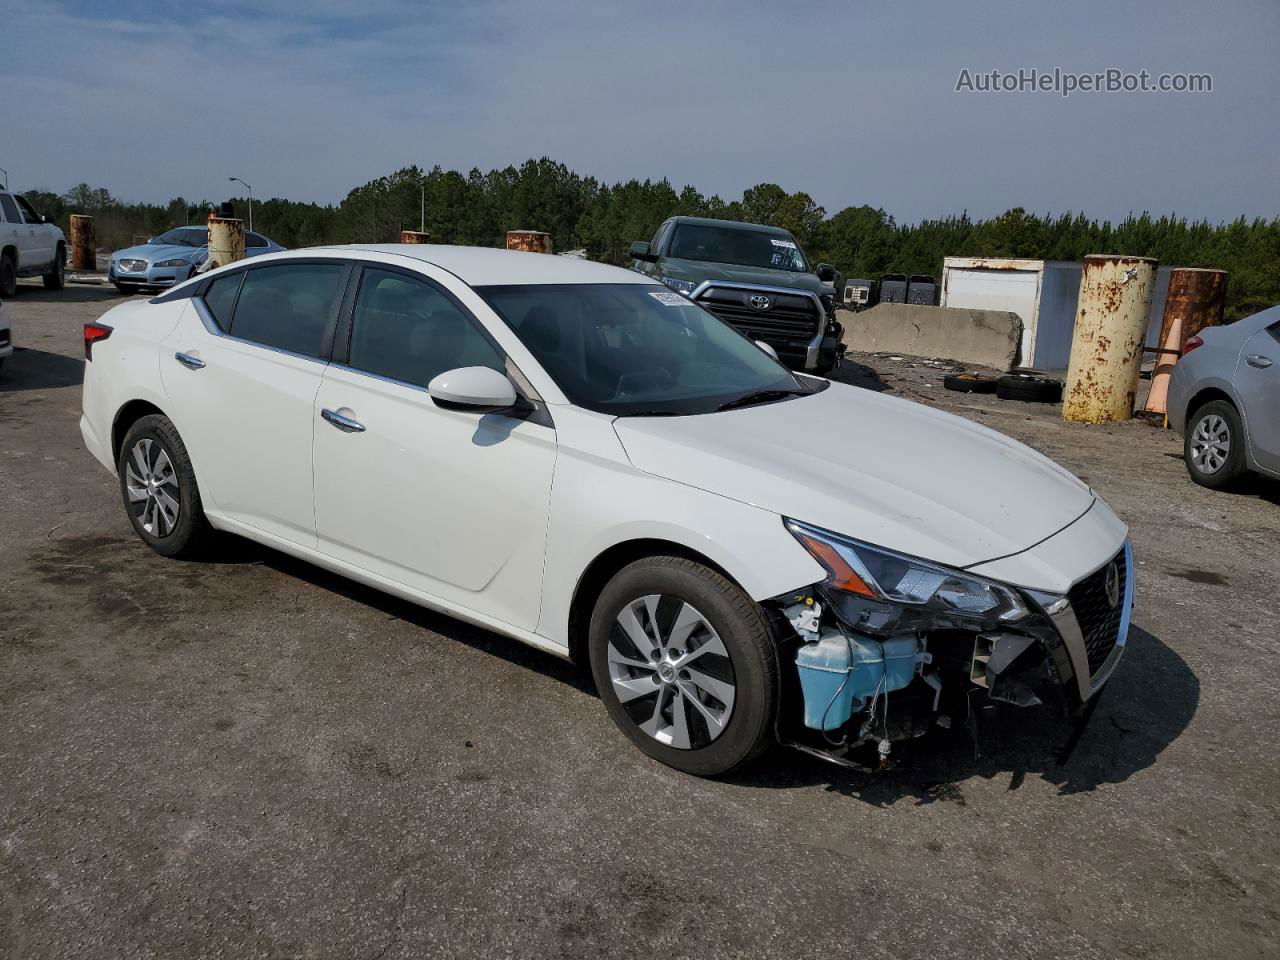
(574, 456)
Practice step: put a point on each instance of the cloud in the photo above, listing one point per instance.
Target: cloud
(853, 102)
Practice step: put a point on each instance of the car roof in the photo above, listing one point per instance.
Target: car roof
(733, 224)
(489, 266)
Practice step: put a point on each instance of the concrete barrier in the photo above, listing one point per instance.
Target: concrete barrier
(987, 338)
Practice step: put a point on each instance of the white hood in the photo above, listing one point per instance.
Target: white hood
(877, 468)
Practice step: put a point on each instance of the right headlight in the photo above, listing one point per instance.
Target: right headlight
(878, 589)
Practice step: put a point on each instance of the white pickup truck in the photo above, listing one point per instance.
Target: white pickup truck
(30, 246)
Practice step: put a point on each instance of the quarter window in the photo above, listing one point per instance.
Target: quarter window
(254, 240)
(220, 298)
(288, 307)
(409, 330)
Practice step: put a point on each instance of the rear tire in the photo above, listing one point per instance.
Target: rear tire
(55, 279)
(1213, 448)
(8, 277)
(158, 486)
(702, 646)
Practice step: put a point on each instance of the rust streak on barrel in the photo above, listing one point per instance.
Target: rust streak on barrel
(1106, 349)
(84, 247)
(531, 241)
(226, 240)
(1195, 300)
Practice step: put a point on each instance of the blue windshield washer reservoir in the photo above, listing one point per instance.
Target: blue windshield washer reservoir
(839, 674)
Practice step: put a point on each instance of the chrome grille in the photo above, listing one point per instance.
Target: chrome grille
(1099, 621)
(789, 318)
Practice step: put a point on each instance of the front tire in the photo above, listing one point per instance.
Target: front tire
(55, 279)
(685, 664)
(8, 277)
(1213, 448)
(158, 486)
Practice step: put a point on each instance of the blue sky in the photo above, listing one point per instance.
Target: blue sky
(852, 101)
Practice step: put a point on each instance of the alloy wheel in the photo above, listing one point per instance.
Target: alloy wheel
(671, 671)
(1210, 443)
(152, 484)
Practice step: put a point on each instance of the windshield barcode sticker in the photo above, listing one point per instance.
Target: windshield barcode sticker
(670, 299)
(783, 243)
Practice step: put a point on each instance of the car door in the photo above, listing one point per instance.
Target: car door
(241, 370)
(39, 237)
(1257, 384)
(449, 503)
(14, 231)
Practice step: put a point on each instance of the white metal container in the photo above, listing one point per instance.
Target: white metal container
(1041, 292)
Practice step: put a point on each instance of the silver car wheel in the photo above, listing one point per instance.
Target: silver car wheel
(1210, 443)
(671, 671)
(152, 485)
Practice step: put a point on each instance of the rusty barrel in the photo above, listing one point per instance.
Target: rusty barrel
(1195, 300)
(1106, 349)
(531, 241)
(226, 241)
(84, 246)
(414, 236)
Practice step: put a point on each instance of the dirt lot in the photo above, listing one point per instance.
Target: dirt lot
(254, 759)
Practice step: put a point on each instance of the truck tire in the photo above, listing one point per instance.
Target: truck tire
(55, 279)
(8, 277)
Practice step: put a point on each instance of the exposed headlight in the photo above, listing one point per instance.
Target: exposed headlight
(174, 263)
(681, 286)
(887, 590)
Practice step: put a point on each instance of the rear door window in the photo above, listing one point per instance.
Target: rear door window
(289, 307)
(254, 240)
(10, 209)
(409, 330)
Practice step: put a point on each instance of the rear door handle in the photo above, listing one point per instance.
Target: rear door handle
(341, 422)
(1258, 360)
(187, 360)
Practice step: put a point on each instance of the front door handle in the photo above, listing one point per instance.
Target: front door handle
(341, 422)
(187, 360)
(1258, 360)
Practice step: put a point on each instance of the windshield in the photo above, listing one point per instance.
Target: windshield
(631, 349)
(745, 248)
(184, 237)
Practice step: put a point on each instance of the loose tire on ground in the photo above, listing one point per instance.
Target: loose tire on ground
(1213, 448)
(55, 279)
(1029, 388)
(155, 473)
(969, 383)
(666, 595)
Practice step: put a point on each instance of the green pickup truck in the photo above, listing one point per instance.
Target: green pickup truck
(756, 279)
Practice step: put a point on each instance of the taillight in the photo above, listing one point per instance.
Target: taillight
(1191, 345)
(93, 332)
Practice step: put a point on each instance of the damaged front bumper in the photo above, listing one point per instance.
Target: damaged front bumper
(864, 679)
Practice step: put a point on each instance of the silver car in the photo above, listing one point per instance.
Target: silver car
(1224, 400)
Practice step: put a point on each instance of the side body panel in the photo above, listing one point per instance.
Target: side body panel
(599, 500)
(1257, 383)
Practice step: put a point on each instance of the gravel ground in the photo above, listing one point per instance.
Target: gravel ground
(252, 758)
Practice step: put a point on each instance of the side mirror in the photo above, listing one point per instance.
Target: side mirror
(640, 251)
(473, 389)
(826, 273)
(44, 219)
(767, 349)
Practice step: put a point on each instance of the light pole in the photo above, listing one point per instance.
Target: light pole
(6, 177)
(250, 189)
